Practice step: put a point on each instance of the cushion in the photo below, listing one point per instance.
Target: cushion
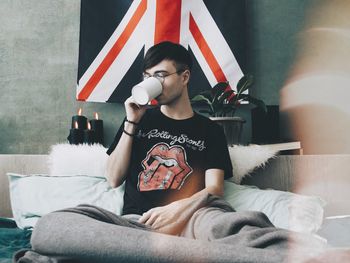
(77, 175)
(90, 160)
(287, 210)
(82, 159)
(245, 159)
(33, 196)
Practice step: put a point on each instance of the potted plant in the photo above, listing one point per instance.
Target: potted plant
(221, 103)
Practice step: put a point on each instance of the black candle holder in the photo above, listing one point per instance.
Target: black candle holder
(97, 126)
(75, 136)
(89, 136)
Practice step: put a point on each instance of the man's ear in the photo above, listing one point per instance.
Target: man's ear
(186, 76)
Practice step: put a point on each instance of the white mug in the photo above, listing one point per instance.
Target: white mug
(146, 90)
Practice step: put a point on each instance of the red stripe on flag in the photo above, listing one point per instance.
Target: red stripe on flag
(168, 19)
(205, 49)
(114, 52)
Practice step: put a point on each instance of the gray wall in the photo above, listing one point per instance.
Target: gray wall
(273, 28)
(39, 55)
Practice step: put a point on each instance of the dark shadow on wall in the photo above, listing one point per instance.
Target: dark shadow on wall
(321, 129)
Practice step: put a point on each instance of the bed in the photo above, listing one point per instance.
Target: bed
(304, 175)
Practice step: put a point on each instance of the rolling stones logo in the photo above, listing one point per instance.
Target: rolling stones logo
(165, 167)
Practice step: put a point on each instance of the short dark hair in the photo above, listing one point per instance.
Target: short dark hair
(169, 51)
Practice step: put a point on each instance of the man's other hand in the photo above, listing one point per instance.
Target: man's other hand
(164, 219)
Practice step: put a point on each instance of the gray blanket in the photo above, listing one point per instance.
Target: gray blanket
(210, 231)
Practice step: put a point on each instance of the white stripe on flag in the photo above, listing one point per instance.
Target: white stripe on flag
(216, 42)
(107, 47)
(203, 63)
(121, 64)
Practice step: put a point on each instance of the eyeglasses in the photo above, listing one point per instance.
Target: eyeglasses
(160, 75)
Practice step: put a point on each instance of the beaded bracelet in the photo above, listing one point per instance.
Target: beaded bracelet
(132, 122)
(127, 133)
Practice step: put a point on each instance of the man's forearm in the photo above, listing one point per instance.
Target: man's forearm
(186, 202)
(118, 162)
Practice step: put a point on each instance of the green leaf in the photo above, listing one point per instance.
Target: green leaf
(219, 88)
(244, 83)
(225, 95)
(200, 98)
(206, 111)
(257, 102)
(207, 94)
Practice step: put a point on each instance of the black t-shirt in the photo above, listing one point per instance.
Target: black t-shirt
(169, 159)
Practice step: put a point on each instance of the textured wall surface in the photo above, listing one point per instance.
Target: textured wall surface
(39, 55)
(273, 29)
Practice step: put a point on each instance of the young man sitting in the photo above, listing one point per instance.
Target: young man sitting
(168, 156)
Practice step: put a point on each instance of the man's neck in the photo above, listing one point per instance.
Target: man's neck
(178, 111)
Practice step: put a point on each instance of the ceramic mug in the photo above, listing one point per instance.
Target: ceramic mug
(146, 90)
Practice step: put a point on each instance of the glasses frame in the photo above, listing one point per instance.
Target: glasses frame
(160, 78)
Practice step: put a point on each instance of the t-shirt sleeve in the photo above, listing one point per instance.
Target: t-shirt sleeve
(217, 155)
(116, 139)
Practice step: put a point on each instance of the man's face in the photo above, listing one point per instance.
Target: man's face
(174, 83)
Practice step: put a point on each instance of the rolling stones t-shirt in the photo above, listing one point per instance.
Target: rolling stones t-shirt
(169, 159)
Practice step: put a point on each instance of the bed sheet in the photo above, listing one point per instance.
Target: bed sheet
(336, 230)
(12, 239)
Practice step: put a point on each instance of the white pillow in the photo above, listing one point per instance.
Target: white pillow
(83, 159)
(33, 196)
(245, 159)
(284, 209)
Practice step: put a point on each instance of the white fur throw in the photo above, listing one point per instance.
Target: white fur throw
(82, 159)
(245, 159)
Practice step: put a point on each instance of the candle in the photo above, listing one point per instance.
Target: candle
(80, 119)
(97, 126)
(75, 134)
(89, 135)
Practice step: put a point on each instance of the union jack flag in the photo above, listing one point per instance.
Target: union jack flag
(114, 35)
